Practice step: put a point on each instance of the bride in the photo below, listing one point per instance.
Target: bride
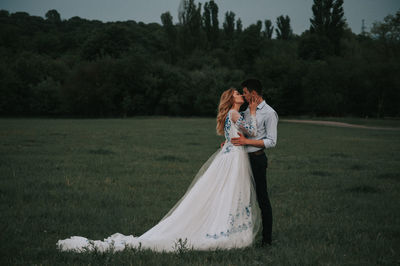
(219, 209)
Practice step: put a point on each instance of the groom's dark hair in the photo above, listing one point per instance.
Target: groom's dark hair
(253, 85)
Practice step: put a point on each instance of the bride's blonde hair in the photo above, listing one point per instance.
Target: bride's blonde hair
(225, 104)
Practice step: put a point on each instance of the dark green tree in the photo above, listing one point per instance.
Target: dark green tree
(328, 20)
(229, 24)
(166, 20)
(269, 29)
(214, 19)
(112, 41)
(248, 46)
(171, 34)
(210, 22)
(206, 19)
(4, 13)
(321, 16)
(314, 47)
(191, 21)
(388, 30)
(284, 30)
(239, 26)
(53, 16)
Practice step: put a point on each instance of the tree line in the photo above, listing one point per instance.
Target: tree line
(80, 67)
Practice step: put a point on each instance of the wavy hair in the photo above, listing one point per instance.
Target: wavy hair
(225, 104)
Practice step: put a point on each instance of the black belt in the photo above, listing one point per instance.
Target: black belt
(259, 152)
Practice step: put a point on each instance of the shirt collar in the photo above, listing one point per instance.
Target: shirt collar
(261, 105)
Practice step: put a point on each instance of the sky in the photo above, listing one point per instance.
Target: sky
(248, 11)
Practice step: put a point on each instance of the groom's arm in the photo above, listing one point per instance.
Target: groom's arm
(271, 125)
(268, 141)
(255, 142)
(242, 140)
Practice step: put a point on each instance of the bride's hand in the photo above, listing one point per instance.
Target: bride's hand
(222, 144)
(253, 105)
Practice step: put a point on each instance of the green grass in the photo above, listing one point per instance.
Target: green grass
(334, 191)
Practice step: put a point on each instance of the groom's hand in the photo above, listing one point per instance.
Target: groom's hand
(240, 141)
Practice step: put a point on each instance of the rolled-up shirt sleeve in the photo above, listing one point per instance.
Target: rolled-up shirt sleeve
(272, 132)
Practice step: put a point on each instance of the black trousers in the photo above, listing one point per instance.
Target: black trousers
(259, 164)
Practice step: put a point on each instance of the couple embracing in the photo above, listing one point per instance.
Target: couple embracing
(227, 202)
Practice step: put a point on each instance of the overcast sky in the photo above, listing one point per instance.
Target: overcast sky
(249, 11)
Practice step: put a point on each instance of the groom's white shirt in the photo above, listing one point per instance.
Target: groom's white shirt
(267, 121)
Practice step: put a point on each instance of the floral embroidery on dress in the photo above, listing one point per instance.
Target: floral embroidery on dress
(236, 221)
(228, 147)
(227, 128)
(249, 128)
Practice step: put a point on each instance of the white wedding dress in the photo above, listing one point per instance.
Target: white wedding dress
(218, 211)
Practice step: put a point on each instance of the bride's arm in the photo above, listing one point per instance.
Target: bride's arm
(247, 127)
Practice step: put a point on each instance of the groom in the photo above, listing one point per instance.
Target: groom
(267, 120)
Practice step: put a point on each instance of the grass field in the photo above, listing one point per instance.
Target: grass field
(335, 192)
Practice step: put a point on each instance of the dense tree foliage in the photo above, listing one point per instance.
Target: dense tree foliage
(80, 67)
(389, 30)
